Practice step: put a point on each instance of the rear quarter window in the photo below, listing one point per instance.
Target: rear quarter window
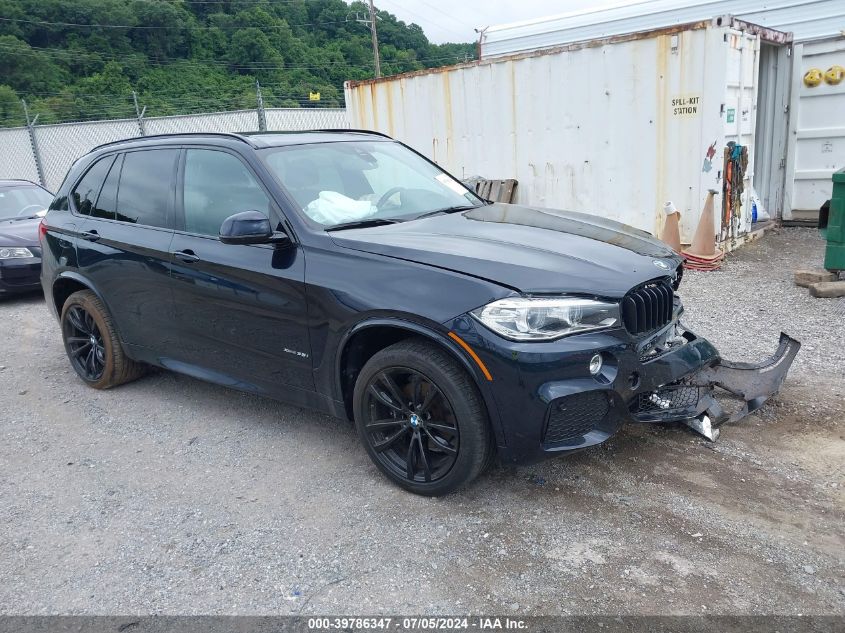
(84, 195)
(107, 200)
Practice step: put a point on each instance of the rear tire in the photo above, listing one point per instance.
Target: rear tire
(92, 343)
(421, 418)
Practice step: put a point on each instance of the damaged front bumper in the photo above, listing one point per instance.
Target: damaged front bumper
(695, 400)
(544, 400)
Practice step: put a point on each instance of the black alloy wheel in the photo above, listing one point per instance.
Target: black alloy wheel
(410, 425)
(85, 345)
(421, 418)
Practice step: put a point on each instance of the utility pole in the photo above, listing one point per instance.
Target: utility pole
(375, 39)
(478, 42)
(371, 22)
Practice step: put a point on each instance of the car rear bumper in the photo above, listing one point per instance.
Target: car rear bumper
(20, 275)
(547, 402)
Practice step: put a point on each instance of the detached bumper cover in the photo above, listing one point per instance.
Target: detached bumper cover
(694, 399)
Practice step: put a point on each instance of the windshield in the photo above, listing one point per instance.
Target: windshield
(345, 182)
(23, 202)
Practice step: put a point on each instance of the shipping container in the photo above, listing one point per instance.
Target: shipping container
(817, 128)
(816, 143)
(805, 19)
(614, 127)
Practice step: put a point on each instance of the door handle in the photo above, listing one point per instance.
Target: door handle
(188, 256)
(90, 236)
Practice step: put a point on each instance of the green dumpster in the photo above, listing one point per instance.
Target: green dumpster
(834, 257)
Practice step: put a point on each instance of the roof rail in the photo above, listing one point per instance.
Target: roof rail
(353, 130)
(338, 130)
(7, 180)
(240, 137)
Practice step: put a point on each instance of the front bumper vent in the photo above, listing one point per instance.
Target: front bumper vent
(670, 402)
(648, 307)
(574, 416)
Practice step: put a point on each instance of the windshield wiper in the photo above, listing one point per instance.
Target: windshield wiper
(360, 224)
(455, 209)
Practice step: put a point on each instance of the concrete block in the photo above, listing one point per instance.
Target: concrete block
(828, 289)
(807, 277)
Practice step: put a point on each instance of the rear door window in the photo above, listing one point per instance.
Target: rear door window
(145, 192)
(85, 193)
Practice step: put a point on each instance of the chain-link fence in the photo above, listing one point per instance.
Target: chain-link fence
(17, 159)
(52, 149)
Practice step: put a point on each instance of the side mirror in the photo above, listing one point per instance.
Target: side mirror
(250, 227)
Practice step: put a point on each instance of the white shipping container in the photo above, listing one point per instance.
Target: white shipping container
(614, 127)
(816, 144)
(805, 19)
(817, 129)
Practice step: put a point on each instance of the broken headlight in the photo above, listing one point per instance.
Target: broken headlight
(546, 318)
(678, 276)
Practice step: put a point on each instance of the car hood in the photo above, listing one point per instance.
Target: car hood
(19, 232)
(528, 249)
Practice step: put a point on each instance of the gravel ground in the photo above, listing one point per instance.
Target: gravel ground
(172, 496)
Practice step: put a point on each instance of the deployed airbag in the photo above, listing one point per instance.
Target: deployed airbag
(332, 207)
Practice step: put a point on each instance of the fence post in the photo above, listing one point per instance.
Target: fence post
(139, 114)
(262, 121)
(30, 126)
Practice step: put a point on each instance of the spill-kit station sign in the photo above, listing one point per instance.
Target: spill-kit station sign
(685, 105)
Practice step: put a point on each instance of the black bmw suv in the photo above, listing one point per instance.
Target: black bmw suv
(344, 272)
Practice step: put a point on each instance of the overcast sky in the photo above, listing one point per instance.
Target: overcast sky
(454, 20)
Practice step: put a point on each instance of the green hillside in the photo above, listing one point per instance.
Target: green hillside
(81, 59)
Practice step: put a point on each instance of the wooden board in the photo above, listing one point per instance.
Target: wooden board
(495, 190)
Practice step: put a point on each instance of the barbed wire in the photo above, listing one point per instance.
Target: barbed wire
(77, 107)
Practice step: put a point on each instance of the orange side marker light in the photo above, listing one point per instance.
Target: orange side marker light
(472, 354)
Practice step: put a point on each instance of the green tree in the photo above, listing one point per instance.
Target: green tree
(11, 109)
(28, 70)
(182, 56)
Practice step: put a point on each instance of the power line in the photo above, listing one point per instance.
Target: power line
(264, 2)
(169, 27)
(203, 28)
(165, 61)
(422, 17)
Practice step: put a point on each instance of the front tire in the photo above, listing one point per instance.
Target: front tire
(421, 418)
(92, 344)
